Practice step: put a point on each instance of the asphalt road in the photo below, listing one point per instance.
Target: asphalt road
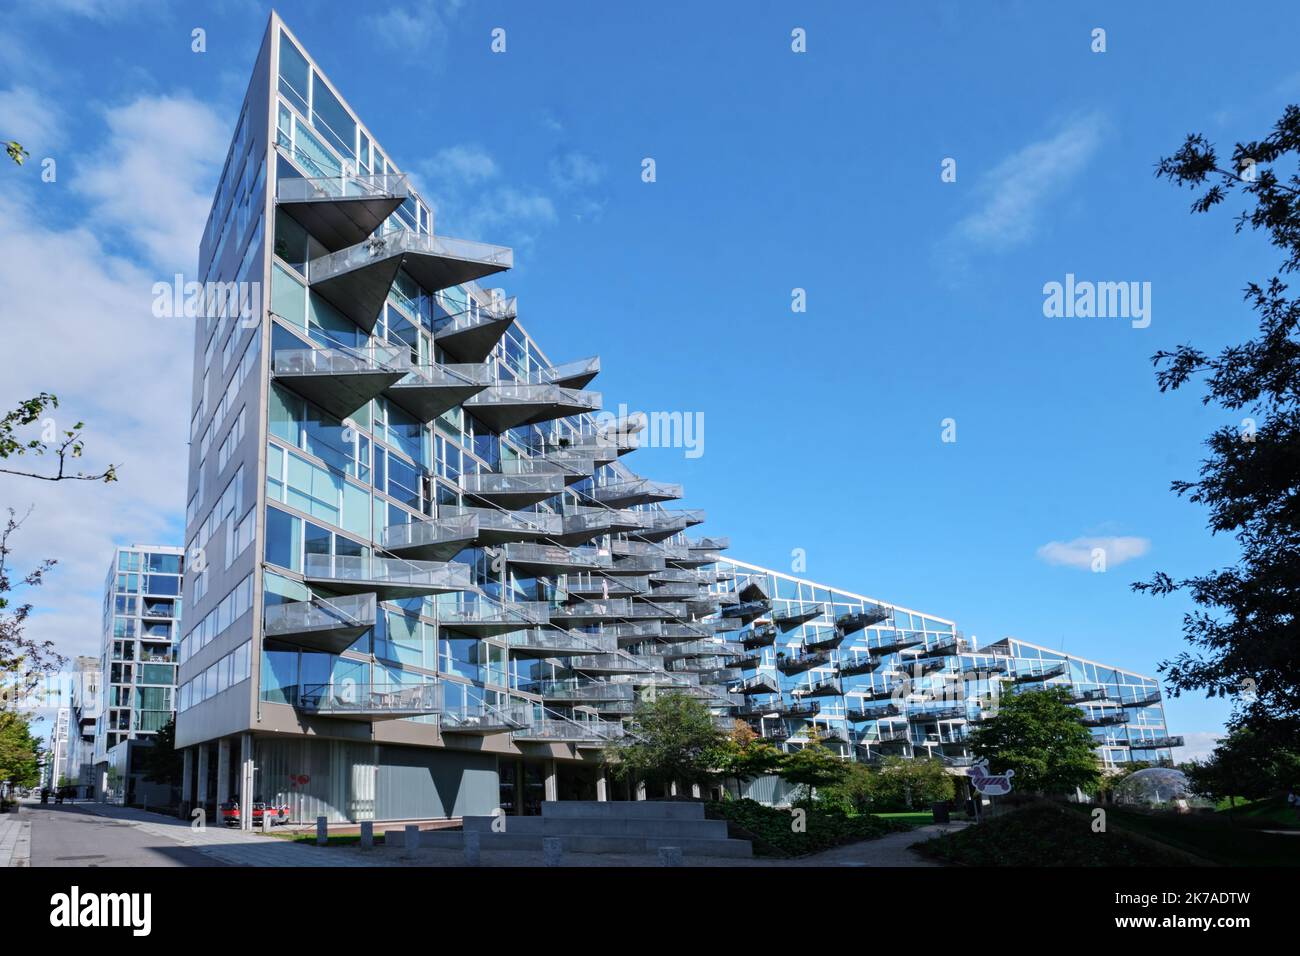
(69, 836)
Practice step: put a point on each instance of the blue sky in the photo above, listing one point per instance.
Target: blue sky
(775, 171)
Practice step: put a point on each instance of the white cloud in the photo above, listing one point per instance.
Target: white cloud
(575, 170)
(1081, 552)
(153, 178)
(425, 28)
(459, 165)
(26, 118)
(1013, 194)
(78, 322)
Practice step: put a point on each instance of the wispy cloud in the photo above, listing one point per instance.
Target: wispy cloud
(128, 378)
(1014, 194)
(425, 28)
(461, 183)
(152, 179)
(29, 120)
(575, 170)
(1199, 744)
(1081, 553)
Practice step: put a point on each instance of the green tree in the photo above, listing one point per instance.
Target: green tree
(743, 755)
(1245, 633)
(907, 783)
(672, 739)
(1040, 735)
(16, 151)
(1245, 765)
(20, 751)
(857, 792)
(813, 765)
(65, 446)
(162, 762)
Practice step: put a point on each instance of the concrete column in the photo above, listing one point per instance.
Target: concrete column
(187, 781)
(602, 786)
(201, 755)
(223, 772)
(640, 790)
(552, 781)
(695, 790)
(246, 781)
(517, 768)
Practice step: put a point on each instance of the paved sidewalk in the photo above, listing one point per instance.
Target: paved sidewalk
(15, 840)
(226, 845)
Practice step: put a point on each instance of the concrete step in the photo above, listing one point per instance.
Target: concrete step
(591, 843)
(624, 809)
(599, 826)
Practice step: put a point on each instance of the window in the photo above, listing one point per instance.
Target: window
(294, 74)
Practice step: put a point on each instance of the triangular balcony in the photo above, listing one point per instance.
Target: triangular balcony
(504, 406)
(481, 719)
(370, 702)
(331, 625)
(430, 390)
(788, 618)
(470, 336)
(389, 578)
(543, 643)
(340, 380)
(637, 491)
(511, 492)
(486, 618)
(497, 527)
(356, 280)
(551, 559)
(432, 539)
(341, 211)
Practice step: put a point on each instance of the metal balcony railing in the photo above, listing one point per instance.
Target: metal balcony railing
(359, 185)
(497, 617)
(392, 577)
(330, 624)
(434, 539)
(482, 718)
(370, 701)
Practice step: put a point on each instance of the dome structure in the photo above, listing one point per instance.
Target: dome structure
(1154, 786)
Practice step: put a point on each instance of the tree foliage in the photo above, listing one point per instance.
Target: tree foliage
(1040, 735)
(65, 446)
(911, 782)
(813, 765)
(1245, 631)
(1245, 764)
(162, 762)
(20, 751)
(671, 739)
(744, 755)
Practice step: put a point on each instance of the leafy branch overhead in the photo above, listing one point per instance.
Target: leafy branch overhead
(1244, 632)
(16, 151)
(65, 446)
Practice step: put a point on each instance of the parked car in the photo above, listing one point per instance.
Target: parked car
(230, 813)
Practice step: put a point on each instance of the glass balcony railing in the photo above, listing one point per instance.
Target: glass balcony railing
(496, 526)
(370, 701)
(512, 491)
(390, 577)
(639, 491)
(556, 558)
(485, 616)
(558, 643)
(352, 186)
(577, 731)
(329, 624)
(565, 690)
(482, 718)
(573, 374)
(435, 539)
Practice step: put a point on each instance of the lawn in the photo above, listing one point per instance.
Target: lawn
(1044, 834)
(774, 832)
(1272, 813)
(915, 818)
(1212, 837)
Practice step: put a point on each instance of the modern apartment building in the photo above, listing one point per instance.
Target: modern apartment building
(421, 578)
(872, 679)
(142, 620)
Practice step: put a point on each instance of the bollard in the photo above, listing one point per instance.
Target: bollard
(670, 856)
(367, 835)
(266, 821)
(411, 839)
(552, 851)
(472, 847)
(322, 830)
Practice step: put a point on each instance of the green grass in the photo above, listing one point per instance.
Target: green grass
(1272, 813)
(1213, 837)
(1044, 834)
(916, 818)
(773, 834)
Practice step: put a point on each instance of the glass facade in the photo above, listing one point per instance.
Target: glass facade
(142, 619)
(404, 513)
